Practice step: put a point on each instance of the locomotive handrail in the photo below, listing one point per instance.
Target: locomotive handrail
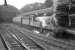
(72, 15)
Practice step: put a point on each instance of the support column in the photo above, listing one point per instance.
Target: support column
(21, 20)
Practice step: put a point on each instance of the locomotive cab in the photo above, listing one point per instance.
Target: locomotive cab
(66, 18)
(66, 14)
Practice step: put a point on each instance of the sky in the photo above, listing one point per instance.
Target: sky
(20, 3)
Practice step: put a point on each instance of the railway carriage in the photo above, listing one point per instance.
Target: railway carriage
(64, 17)
(33, 18)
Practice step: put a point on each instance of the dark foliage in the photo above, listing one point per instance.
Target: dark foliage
(49, 3)
(32, 7)
(7, 13)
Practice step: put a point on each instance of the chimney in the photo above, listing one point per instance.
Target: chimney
(5, 3)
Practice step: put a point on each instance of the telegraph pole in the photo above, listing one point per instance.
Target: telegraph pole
(5, 2)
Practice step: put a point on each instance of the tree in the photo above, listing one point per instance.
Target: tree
(32, 7)
(8, 12)
(49, 3)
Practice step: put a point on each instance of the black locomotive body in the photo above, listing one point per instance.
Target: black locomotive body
(65, 15)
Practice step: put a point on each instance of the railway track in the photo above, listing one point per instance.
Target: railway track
(24, 40)
(44, 42)
(64, 44)
(2, 44)
(10, 42)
